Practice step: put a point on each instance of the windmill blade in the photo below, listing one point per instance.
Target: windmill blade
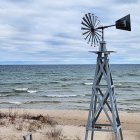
(87, 36)
(85, 28)
(90, 20)
(85, 24)
(92, 40)
(97, 37)
(98, 34)
(95, 20)
(97, 23)
(91, 34)
(86, 32)
(86, 21)
(97, 40)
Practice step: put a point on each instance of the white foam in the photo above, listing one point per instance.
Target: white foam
(15, 103)
(31, 91)
(88, 84)
(21, 89)
(62, 96)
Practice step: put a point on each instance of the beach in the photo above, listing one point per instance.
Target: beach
(69, 123)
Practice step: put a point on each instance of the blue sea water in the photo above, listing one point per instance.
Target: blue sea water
(64, 86)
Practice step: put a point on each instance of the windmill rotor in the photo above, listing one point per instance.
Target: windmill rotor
(90, 31)
(94, 33)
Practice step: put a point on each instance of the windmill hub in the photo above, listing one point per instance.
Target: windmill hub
(92, 30)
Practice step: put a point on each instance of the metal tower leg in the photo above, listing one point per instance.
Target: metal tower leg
(121, 135)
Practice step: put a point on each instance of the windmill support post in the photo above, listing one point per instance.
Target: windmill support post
(103, 101)
(28, 136)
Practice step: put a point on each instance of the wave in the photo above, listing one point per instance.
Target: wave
(62, 96)
(14, 84)
(88, 94)
(11, 102)
(88, 84)
(11, 84)
(2, 95)
(67, 79)
(120, 84)
(40, 73)
(32, 91)
(129, 74)
(37, 102)
(25, 90)
(79, 101)
(21, 89)
(90, 79)
(123, 86)
(6, 95)
(133, 74)
(127, 85)
(69, 84)
(6, 92)
(130, 100)
(53, 82)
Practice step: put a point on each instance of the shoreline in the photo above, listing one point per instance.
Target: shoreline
(72, 123)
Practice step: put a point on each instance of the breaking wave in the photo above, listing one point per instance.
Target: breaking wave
(62, 96)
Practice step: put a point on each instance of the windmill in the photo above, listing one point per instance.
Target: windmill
(103, 97)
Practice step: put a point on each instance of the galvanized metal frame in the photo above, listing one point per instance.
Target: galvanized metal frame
(103, 101)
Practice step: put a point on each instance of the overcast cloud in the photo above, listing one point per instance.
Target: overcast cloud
(48, 31)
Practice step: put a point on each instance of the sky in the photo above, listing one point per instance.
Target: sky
(49, 31)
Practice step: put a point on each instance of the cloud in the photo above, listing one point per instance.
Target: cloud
(49, 31)
(126, 1)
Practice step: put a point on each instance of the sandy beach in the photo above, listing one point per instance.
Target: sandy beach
(67, 124)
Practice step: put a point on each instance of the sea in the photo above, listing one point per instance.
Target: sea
(65, 86)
